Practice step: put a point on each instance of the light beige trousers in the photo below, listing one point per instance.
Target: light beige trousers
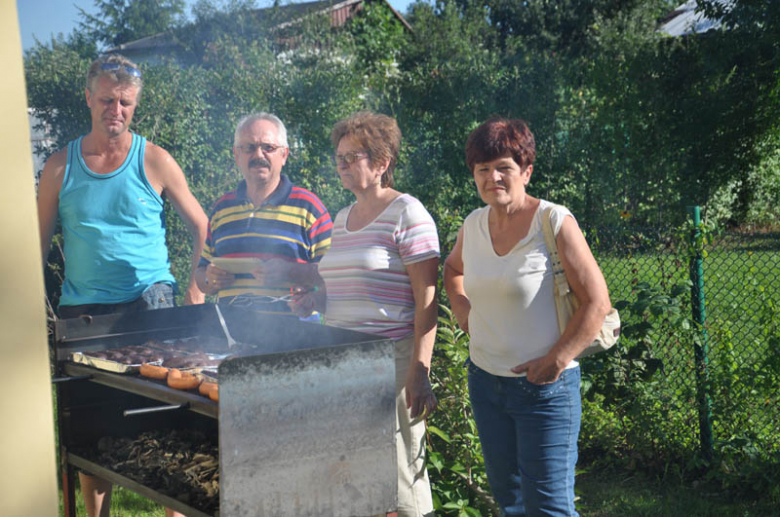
(414, 488)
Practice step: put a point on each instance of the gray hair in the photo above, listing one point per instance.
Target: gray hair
(262, 115)
(123, 74)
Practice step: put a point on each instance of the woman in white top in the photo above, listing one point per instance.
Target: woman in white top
(380, 277)
(523, 376)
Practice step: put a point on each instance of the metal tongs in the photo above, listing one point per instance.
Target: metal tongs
(230, 341)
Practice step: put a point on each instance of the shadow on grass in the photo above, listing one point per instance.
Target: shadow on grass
(608, 494)
(125, 502)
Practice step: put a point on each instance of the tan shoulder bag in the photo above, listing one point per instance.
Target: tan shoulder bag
(565, 300)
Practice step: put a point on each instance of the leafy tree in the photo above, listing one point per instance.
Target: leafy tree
(55, 75)
(229, 20)
(563, 26)
(747, 53)
(378, 38)
(120, 21)
(754, 16)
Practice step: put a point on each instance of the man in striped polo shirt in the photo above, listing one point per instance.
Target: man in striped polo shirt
(266, 218)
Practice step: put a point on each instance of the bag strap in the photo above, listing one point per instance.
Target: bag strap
(560, 285)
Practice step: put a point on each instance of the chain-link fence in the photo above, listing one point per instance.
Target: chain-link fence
(657, 381)
(742, 294)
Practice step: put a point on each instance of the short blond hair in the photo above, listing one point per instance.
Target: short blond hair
(120, 75)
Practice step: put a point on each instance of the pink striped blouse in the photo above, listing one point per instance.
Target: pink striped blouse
(365, 270)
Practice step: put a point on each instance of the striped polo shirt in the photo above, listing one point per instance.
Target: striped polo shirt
(365, 270)
(292, 224)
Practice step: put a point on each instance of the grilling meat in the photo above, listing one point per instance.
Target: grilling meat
(182, 381)
(214, 393)
(154, 372)
(190, 361)
(133, 354)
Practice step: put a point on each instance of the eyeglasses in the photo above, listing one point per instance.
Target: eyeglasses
(252, 148)
(348, 158)
(116, 66)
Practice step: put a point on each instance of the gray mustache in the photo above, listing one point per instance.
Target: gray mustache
(259, 162)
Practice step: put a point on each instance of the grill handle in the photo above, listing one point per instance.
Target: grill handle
(57, 380)
(155, 409)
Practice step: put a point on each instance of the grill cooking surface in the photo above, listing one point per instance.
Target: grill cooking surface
(151, 388)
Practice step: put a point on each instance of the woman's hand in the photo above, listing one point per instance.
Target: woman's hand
(544, 370)
(419, 395)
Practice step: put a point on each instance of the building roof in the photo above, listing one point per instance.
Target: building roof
(684, 20)
(163, 39)
(283, 15)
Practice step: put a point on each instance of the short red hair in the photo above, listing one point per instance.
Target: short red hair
(378, 134)
(498, 137)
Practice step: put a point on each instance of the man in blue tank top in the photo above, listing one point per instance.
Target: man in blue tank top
(107, 188)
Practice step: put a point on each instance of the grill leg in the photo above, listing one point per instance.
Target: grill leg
(68, 489)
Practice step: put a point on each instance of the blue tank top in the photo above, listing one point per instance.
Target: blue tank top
(113, 226)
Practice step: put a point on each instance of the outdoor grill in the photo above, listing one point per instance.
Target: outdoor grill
(305, 421)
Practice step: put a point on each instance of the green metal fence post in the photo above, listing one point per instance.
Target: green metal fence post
(701, 349)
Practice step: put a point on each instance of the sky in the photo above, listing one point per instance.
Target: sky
(44, 18)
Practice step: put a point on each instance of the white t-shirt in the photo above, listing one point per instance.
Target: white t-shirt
(512, 318)
(365, 270)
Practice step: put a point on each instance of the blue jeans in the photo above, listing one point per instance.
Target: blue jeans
(529, 440)
(156, 296)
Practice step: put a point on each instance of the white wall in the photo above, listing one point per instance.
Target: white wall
(28, 479)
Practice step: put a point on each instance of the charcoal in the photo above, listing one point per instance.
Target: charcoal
(178, 463)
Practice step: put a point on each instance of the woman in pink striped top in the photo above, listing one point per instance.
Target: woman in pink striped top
(380, 277)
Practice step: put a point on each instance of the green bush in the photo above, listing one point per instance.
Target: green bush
(455, 462)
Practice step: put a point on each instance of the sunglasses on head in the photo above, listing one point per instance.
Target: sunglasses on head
(116, 66)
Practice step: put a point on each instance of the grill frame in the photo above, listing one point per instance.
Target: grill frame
(90, 407)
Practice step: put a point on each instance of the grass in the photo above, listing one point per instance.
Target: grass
(619, 494)
(124, 503)
(601, 494)
(741, 289)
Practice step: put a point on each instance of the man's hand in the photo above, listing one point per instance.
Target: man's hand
(274, 272)
(419, 395)
(193, 295)
(544, 370)
(305, 303)
(217, 279)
